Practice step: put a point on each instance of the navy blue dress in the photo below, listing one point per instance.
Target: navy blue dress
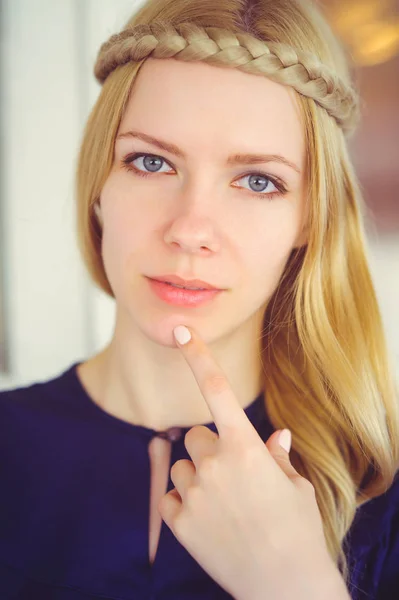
(74, 507)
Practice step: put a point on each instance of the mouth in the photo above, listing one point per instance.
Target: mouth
(180, 283)
(181, 296)
(184, 287)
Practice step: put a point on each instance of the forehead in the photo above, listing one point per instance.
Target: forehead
(199, 105)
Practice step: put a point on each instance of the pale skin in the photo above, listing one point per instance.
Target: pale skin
(199, 218)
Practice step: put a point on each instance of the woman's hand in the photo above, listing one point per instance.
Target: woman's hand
(241, 509)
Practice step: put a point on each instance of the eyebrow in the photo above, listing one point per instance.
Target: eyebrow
(234, 159)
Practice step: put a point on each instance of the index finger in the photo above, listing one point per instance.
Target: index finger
(226, 411)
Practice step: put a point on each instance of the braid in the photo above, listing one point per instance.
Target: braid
(281, 63)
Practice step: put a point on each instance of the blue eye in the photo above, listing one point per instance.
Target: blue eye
(254, 179)
(152, 163)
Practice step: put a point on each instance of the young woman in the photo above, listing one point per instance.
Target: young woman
(214, 158)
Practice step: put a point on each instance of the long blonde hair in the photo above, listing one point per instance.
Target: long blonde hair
(328, 375)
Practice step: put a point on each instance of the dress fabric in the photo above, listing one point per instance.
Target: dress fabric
(74, 507)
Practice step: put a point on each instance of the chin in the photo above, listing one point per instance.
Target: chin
(160, 330)
(156, 322)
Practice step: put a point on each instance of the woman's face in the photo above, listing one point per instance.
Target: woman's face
(204, 212)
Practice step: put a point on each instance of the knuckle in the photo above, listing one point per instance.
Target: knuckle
(192, 496)
(195, 430)
(216, 383)
(249, 455)
(180, 526)
(207, 468)
(189, 434)
(173, 470)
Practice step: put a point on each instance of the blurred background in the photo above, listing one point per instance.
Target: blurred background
(50, 313)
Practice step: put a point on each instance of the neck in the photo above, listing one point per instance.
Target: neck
(141, 380)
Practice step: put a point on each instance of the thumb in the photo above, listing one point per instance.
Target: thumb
(284, 439)
(279, 445)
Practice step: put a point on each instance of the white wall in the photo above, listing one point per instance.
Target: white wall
(54, 314)
(45, 289)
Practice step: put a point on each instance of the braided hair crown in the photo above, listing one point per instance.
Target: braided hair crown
(220, 47)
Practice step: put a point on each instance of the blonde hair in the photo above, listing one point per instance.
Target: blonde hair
(328, 375)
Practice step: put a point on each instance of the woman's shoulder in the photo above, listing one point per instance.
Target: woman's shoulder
(21, 406)
(38, 389)
(373, 546)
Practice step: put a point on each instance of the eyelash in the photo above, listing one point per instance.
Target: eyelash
(127, 164)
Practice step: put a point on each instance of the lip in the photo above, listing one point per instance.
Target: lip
(182, 297)
(198, 283)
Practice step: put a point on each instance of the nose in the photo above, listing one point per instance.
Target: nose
(193, 233)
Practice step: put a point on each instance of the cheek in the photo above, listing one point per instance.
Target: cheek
(125, 235)
(268, 251)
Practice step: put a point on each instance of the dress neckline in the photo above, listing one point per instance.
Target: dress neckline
(254, 411)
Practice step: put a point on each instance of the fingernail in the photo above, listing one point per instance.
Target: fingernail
(284, 439)
(182, 334)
